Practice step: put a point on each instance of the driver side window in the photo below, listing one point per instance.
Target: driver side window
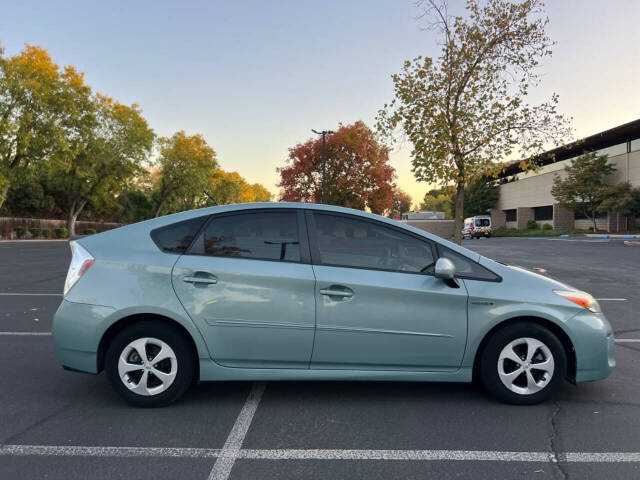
(349, 242)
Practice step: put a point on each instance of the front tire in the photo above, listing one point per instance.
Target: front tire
(150, 364)
(523, 364)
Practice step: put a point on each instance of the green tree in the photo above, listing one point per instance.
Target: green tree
(437, 202)
(186, 165)
(465, 112)
(108, 146)
(621, 198)
(135, 205)
(28, 196)
(583, 190)
(31, 112)
(480, 196)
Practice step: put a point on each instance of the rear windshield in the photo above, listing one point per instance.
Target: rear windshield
(177, 237)
(483, 222)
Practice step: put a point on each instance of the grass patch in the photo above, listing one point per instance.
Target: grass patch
(533, 232)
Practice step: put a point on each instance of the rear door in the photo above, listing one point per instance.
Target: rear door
(378, 304)
(248, 284)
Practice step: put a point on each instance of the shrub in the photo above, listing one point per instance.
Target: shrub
(90, 231)
(45, 232)
(20, 231)
(547, 226)
(35, 231)
(62, 232)
(532, 225)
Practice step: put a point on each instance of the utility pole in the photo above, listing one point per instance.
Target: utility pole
(324, 134)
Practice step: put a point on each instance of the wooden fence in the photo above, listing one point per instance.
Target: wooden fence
(9, 224)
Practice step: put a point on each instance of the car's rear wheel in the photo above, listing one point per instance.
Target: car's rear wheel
(150, 364)
(523, 363)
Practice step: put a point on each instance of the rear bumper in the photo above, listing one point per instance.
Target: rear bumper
(77, 329)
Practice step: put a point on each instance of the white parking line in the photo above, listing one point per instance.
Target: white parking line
(30, 294)
(26, 334)
(79, 451)
(627, 340)
(320, 454)
(611, 299)
(231, 449)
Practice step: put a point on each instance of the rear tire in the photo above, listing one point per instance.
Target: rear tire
(523, 364)
(150, 364)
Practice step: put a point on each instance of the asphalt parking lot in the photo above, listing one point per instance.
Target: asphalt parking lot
(60, 425)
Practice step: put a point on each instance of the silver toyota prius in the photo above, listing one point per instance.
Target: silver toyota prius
(287, 291)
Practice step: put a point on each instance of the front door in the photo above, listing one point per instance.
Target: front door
(245, 284)
(378, 306)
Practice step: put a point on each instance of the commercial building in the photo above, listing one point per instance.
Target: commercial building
(527, 196)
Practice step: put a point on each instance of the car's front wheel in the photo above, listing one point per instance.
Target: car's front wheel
(523, 363)
(150, 364)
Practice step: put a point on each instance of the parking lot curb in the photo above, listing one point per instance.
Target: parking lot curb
(607, 235)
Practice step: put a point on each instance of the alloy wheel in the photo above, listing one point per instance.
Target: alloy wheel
(147, 366)
(525, 366)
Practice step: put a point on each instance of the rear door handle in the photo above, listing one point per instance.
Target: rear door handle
(333, 291)
(206, 279)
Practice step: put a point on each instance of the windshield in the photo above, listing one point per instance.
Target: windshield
(483, 222)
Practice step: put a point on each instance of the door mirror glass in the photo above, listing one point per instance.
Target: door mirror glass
(445, 269)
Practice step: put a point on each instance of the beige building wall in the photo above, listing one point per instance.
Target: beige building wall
(534, 190)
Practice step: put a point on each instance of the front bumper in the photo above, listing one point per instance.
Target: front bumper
(77, 330)
(594, 344)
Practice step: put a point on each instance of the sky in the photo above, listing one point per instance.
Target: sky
(254, 77)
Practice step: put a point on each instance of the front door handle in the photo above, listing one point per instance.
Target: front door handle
(205, 278)
(334, 291)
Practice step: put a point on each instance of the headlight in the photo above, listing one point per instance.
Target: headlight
(581, 298)
(81, 260)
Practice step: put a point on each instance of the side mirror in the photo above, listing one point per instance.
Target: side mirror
(445, 269)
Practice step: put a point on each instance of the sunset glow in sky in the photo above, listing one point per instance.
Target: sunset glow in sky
(255, 77)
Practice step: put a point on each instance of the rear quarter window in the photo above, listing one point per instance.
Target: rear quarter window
(177, 237)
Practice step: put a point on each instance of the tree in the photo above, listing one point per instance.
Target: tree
(260, 193)
(135, 205)
(622, 199)
(358, 172)
(108, 143)
(480, 196)
(401, 203)
(186, 164)
(465, 112)
(30, 112)
(583, 190)
(434, 201)
(229, 187)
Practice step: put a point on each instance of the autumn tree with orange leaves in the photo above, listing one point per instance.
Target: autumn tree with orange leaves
(358, 171)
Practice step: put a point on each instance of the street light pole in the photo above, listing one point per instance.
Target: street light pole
(324, 134)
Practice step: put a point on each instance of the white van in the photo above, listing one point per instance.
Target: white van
(476, 227)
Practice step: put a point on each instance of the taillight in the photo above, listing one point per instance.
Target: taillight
(81, 260)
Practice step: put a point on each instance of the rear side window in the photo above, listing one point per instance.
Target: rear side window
(259, 235)
(177, 237)
(467, 268)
